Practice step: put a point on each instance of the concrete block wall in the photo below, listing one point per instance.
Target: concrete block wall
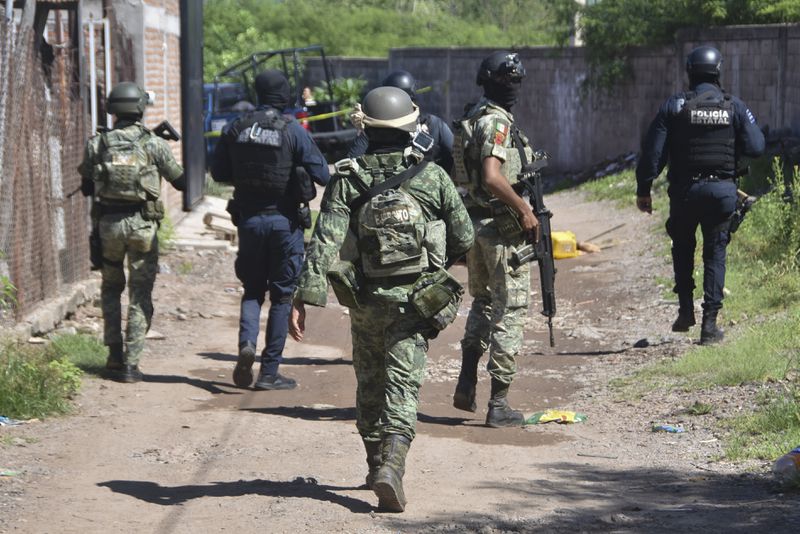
(761, 65)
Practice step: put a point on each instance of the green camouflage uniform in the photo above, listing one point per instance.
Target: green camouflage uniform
(501, 294)
(390, 339)
(129, 233)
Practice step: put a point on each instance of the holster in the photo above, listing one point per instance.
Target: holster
(347, 283)
(436, 296)
(304, 216)
(95, 249)
(153, 210)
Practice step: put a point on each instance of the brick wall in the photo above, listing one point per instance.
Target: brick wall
(162, 70)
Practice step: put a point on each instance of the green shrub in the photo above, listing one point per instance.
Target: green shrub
(87, 352)
(36, 381)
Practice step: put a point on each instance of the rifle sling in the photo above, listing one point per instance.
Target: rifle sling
(391, 183)
(523, 157)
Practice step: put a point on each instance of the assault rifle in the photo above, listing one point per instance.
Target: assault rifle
(744, 203)
(541, 249)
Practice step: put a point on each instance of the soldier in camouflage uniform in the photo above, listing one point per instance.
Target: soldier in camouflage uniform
(405, 237)
(488, 157)
(121, 170)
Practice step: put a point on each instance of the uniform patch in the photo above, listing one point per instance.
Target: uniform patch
(500, 132)
(710, 116)
(261, 136)
(750, 117)
(124, 160)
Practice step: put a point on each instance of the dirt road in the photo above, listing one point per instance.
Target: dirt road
(185, 451)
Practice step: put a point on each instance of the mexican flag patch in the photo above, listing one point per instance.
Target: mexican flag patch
(500, 132)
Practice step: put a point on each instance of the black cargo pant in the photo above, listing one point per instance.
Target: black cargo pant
(708, 203)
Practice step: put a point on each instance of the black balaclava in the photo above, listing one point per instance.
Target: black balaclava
(700, 77)
(386, 140)
(504, 94)
(272, 89)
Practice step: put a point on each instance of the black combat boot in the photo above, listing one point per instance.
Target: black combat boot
(709, 333)
(114, 362)
(685, 318)
(388, 482)
(464, 396)
(500, 413)
(128, 374)
(243, 372)
(373, 460)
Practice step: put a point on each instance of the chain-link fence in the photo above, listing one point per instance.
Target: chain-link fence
(43, 217)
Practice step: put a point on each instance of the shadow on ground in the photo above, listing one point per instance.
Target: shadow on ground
(300, 487)
(309, 413)
(595, 499)
(207, 385)
(225, 357)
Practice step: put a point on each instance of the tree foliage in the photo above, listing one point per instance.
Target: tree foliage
(236, 28)
(611, 28)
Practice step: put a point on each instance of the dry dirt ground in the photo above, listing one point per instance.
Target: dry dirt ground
(185, 451)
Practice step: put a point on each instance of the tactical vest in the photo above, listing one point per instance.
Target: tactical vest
(393, 237)
(125, 172)
(463, 173)
(710, 135)
(260, 154)
(467, 169)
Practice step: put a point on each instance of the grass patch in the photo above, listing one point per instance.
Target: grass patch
(36, 381)
(86, 352)
(769, 433)
(621, 190)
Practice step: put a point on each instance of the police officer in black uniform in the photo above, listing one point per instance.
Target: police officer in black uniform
(702, 133)
(266, 155)
(441, 152)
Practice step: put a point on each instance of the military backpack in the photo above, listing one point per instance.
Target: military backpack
(125, 172)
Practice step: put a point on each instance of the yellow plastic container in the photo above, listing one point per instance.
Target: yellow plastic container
(565, 245)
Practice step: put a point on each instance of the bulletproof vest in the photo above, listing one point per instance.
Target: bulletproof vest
(463, 167)
(261, 156)
(710, 136)
(393, 236)
(125, 172)
(471, 157)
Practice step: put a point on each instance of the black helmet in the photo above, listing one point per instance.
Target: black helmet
(402, 80)
(390, 107)
(502, 67)
(126, 98)
(704, 61)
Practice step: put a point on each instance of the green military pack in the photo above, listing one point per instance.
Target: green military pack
(125, 172)
(153, 210)
(436, 297)
(391, 234)
(347, 283)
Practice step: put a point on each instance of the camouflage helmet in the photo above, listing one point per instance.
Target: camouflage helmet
(502, 67)
(390, 107)
(126, 98)
(705, 61)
